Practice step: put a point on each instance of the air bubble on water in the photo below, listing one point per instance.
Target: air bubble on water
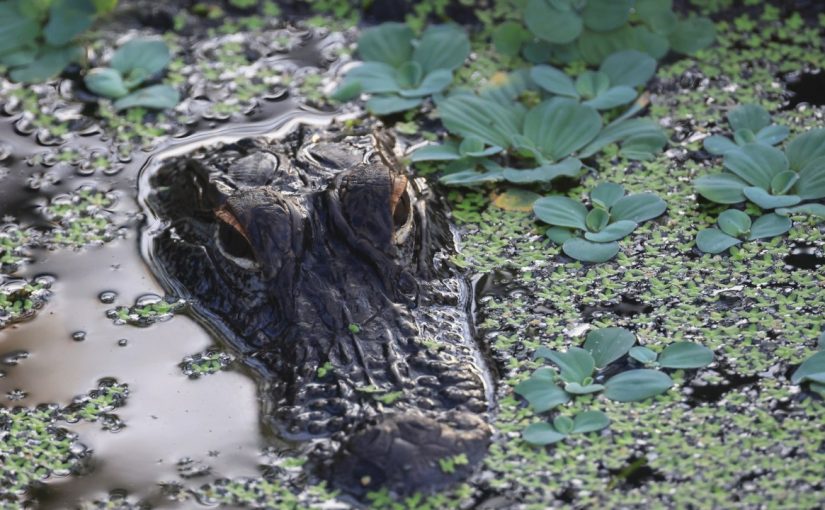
(79, 336)
(107, 296)
(122, 342)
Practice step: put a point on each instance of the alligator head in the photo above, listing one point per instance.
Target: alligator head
(325, 264)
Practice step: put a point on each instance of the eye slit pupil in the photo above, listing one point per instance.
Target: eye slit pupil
(233, 243)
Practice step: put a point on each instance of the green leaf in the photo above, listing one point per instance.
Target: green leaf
(721, 188)
(575, 388)
(749, 116)
(782, 183)
(471, 177)
(390, 43)
(157, 97)
(447, 151)
(772, 135)
(596, 220)
(811, 183)
(590, 421)
(606, 15)
(551, 24)
(561, 211)
(104, 6)
(541, 391)
(588, 251)
(636, 385)
(643, 355)
(812, 209)
(692, 35)
(570, 167)
(685, 355)
(563, 424)
(386, 105)
(625, 130)
(638, 208)
(767, 201)
(409, 75)
(606, 194)
(591, 84)
(613, 97)
(657, 14)
(734, 223)
(613, 232)
(347, 91)
(756, 164)
(49, 62)
(16, 30)
(558, 234)
(743, 137)
(442, 47)
(67, 19)
(629, 67)
(554, 81)
(470, 115)
(509, 37)
(812, 369)
(559, 127)
(20, 57)
(541, 434)
(805, 148)
(373, 78)
(141, 58)
(769, 225)
(575, 365)
(105, 82)
(713, 240)
(718, 145)
(606, 345)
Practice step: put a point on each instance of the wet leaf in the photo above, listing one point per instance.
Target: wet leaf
(590, 421)
(770, 225)
(713, 240)
(588, 251)
(685, 355)
(516, 199)
(541, 434)
(606, 345)
(636, 385)
(541, 391)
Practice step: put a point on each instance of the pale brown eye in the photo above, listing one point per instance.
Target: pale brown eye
(233, 240)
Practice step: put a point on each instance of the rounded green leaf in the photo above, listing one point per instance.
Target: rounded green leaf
(582, 389)
(386, 105)
(554, 81)
(718, 145)
(643, 355)
(560, 127)
(606, 15)
(772, 135)
(756, 164)
(636, 385)
(638, 208)
(373, 78)
(541, 434)
(606, 194)
(590, 421)
(749, 116)
(551, 24)
(721, 188)
(409, 75)
(812, 209)
(157, 97)
(685, 355)
(390, 43)
(613, 232)
(606, 345)
(805, 148)
(691, 35)
(561, 212)
(563, 424)
(613, 97)
(743, 137)
(713, 240)
(574, 365)
(146, 56)
(811, 183)
(67, 19)
(734, 223)
(812, 369)
(49, 62)
(770, 225)
(782, 183)
(541, 391)
(558, 234)
(591, 84)
(447, 151)
(767, 201)
(442, 47)
(629, 67)
(433, 83)
(16, 30)
(509, 37)
(588, 251)
(596, 220)
(470, 178)
(471, 115)
(570, 167)
(105, 82)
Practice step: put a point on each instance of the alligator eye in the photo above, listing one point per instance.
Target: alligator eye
(232, 240)
(402, 213)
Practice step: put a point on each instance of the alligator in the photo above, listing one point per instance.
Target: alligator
(326, 265)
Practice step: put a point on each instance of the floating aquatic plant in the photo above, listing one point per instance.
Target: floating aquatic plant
(591, 235)
(736, 227)
(544, 433)
(749, 123)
